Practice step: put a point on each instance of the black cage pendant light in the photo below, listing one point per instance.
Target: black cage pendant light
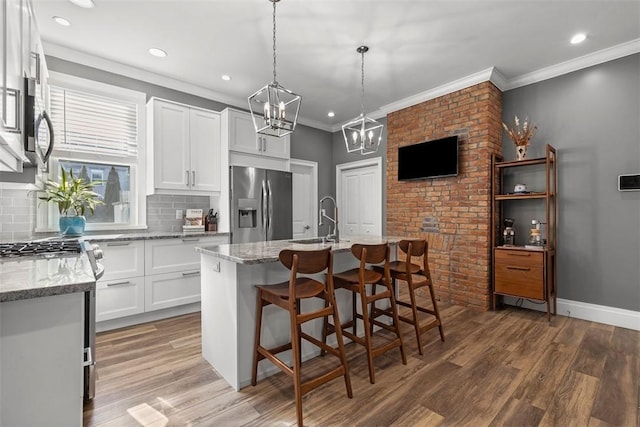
(274, 109)
(362, 133)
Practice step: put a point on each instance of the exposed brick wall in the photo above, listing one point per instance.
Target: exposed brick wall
(452, 213)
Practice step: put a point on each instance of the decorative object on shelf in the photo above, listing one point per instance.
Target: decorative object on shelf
(193, 220)
(73, 197)
(521, 136)
(535, 235)
(274, 109)
(362, 133)
(509, 234)
(520, 189)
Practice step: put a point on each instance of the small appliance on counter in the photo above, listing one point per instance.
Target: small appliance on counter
(509, 234)
(535, 235)
(193, 220)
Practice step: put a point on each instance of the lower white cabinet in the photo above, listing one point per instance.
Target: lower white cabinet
(143, 276)
(119, 298)
(171, 289)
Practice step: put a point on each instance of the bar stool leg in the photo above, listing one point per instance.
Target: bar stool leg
(354, 311)
(343, 356)
(325, 325)
(256, 339)
(295, 359)
(436, 311)
(367, 333)
(396, 322)
(414, 310)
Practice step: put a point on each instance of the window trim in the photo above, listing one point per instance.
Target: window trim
(47, 216)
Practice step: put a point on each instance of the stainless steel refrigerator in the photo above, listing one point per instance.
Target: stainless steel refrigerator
(261, 204)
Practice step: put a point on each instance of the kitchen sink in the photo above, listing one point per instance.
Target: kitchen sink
(314, 240)
(308, 241)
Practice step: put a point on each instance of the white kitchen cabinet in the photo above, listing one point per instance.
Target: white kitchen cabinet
(171, 289)
(120, 292)
(244, 139)
(184, 149)
(119, 298)
(41, 360)
(172, 269)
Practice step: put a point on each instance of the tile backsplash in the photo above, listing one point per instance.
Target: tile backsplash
(161, 210)
(18, 212)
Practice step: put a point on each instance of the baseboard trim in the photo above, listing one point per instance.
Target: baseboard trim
(593, 312)
(150, 316)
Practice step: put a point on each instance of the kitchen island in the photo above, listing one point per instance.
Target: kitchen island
(229, 273)
(42, 339)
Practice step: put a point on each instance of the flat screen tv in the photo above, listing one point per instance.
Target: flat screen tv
(430, 159)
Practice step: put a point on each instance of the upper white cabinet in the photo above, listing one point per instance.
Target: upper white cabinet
(243, 137)
(184, 149)
(20, 56)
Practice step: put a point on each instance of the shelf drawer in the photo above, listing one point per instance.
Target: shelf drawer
(519, 273)
(119, 298)
(122, 259)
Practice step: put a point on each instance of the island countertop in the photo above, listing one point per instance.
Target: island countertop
(266, 252)
(33, 278)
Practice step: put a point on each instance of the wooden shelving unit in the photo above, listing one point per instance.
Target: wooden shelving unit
(518, 271)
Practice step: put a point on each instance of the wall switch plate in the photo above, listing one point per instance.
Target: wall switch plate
(178, 213)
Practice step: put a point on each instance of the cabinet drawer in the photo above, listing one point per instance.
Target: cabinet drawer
(518, 257)
(172, 289)
(122, 259)
(519, 275)
(173, 255)
(119, 298)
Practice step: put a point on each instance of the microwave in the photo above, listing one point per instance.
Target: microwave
(38, 129)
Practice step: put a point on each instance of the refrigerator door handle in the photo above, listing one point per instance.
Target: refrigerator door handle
(270, 213)
(263, 207)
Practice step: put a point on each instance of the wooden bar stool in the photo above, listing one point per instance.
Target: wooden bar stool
(416, 276)
(357, 280)
(288, 295)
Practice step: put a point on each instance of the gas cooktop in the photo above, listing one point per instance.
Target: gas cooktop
(40, 249)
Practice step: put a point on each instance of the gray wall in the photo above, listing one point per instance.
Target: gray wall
(592, 117)
(341, 156)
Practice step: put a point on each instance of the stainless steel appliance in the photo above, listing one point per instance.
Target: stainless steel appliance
(261, 204)
(53, 248)
(38, 129)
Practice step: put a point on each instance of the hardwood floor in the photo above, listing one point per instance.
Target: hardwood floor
(505, 368)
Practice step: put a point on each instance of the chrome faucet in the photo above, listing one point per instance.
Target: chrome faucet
(335, 236)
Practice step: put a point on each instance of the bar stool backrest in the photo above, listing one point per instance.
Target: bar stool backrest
(415, 248)
(371, 254)
(306, 262)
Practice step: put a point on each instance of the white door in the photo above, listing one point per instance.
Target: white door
(305, 198)
(205, 150)
(172, 165)
(359, 194)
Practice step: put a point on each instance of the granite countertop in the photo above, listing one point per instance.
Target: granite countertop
(152, 235)
(33, 278)
(265, 252)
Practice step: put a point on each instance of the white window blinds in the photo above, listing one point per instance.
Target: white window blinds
(92, 123)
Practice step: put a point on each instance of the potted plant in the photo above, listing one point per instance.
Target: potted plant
(73, 197)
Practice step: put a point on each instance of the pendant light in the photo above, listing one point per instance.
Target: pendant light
(274, 109)
(362, 133)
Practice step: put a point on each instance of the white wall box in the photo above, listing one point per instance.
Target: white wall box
(183, 149)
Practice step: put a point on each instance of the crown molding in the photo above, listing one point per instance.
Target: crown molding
(609, 54)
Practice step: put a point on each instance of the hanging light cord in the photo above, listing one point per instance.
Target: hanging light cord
(274, 41)
(362, 95)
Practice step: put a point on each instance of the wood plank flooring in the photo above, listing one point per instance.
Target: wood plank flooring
(504, 368)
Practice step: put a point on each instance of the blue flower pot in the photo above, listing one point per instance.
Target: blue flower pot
(72, 225)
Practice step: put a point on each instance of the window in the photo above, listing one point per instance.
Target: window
(99, 134)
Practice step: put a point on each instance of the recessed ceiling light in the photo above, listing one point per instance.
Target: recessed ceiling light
(226, 77)
(578, 38)
(60, 20)
(157, 52)
(331, 114)
(87, 4)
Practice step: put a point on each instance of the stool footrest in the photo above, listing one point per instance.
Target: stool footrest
(319, 380)
(266, 354)
(320, 344)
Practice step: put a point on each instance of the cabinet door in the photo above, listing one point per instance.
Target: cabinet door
(205, 150)
(173, 255)
(122, 259)
(242, 134)
(119, 298)
(275, 147)
(171, 289)
(171, 146)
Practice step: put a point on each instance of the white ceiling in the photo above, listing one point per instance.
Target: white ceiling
(415, 46)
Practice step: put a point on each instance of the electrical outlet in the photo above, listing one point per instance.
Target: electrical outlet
(178, 213)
